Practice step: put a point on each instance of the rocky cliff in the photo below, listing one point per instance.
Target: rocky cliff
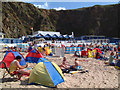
(19, 17)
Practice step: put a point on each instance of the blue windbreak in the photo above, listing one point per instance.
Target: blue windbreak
(22, 62)
(55, 76)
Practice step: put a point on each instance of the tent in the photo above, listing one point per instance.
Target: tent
(42, 60)
(33, 56)
(10, 56)
(98, 50)
(47, 74)
(91, 54)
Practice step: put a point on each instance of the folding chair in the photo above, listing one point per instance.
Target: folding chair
(8, 72)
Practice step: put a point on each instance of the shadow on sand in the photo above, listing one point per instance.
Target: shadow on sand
(9, 80)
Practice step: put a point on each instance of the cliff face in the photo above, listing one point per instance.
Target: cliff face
(18, 18)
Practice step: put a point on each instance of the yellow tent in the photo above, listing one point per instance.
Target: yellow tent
(47, 74)
(91, 54)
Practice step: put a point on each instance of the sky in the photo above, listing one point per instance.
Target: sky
(68, 5)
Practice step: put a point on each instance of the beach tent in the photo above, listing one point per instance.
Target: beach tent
(98, 50)
(91, 54)
(33, 56)
(10, 56)
(47, 74)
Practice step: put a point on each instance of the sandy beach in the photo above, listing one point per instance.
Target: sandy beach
(98, 75)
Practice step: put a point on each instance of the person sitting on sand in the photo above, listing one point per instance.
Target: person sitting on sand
(64, 64)
(16, 67)
(76, 66)
(111, 58)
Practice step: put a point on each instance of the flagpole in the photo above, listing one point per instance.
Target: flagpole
(32, 30)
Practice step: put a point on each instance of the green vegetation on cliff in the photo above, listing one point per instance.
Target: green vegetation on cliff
(19, 17)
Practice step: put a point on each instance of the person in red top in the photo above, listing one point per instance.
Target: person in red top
(80, 45)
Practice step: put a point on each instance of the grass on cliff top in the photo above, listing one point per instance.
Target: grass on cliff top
(112, 5)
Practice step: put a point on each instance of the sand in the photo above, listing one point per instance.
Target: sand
(99, 75)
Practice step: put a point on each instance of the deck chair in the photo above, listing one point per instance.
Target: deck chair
(8, 72)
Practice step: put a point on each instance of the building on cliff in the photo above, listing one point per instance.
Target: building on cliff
(47, 35)
(2, 35)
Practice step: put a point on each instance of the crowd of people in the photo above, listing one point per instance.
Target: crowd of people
(101, 52)
(109, 53)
